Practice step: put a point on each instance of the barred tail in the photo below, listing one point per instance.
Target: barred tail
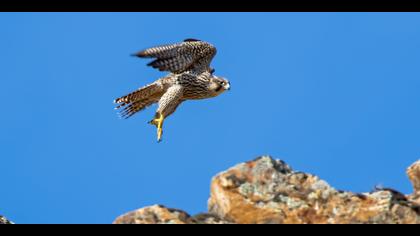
(138, 100)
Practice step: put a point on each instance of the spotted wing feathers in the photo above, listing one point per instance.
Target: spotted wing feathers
(177, 58)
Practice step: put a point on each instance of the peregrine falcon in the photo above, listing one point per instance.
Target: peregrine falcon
(190, 78)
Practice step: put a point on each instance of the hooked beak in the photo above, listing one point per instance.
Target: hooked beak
(227, 86)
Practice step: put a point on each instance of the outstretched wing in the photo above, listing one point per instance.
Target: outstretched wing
(176, 58)
(138, 100)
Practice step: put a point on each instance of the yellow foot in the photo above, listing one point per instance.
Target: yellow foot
(158, 122)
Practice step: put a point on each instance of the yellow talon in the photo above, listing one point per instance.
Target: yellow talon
(159, 134)
(158, 122)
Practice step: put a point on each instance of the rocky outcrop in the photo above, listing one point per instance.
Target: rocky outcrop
(413, 173)
(4, 221)
(268, 191)
(158, 214)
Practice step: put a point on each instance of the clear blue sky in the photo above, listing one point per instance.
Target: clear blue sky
(333, 94)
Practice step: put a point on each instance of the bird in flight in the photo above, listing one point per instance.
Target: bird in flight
(190, 78)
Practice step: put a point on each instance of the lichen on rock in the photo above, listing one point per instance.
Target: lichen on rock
(158, 214)
(281, 195)
(268, 191)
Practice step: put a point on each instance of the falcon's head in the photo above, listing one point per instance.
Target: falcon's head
(218, 85)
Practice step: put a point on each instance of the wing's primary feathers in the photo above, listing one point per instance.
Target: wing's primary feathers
(163, 51)
(177, 58)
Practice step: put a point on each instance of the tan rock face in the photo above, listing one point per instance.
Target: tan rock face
(156, 214)
(413, 173)
(267, 191)
(159, 214)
